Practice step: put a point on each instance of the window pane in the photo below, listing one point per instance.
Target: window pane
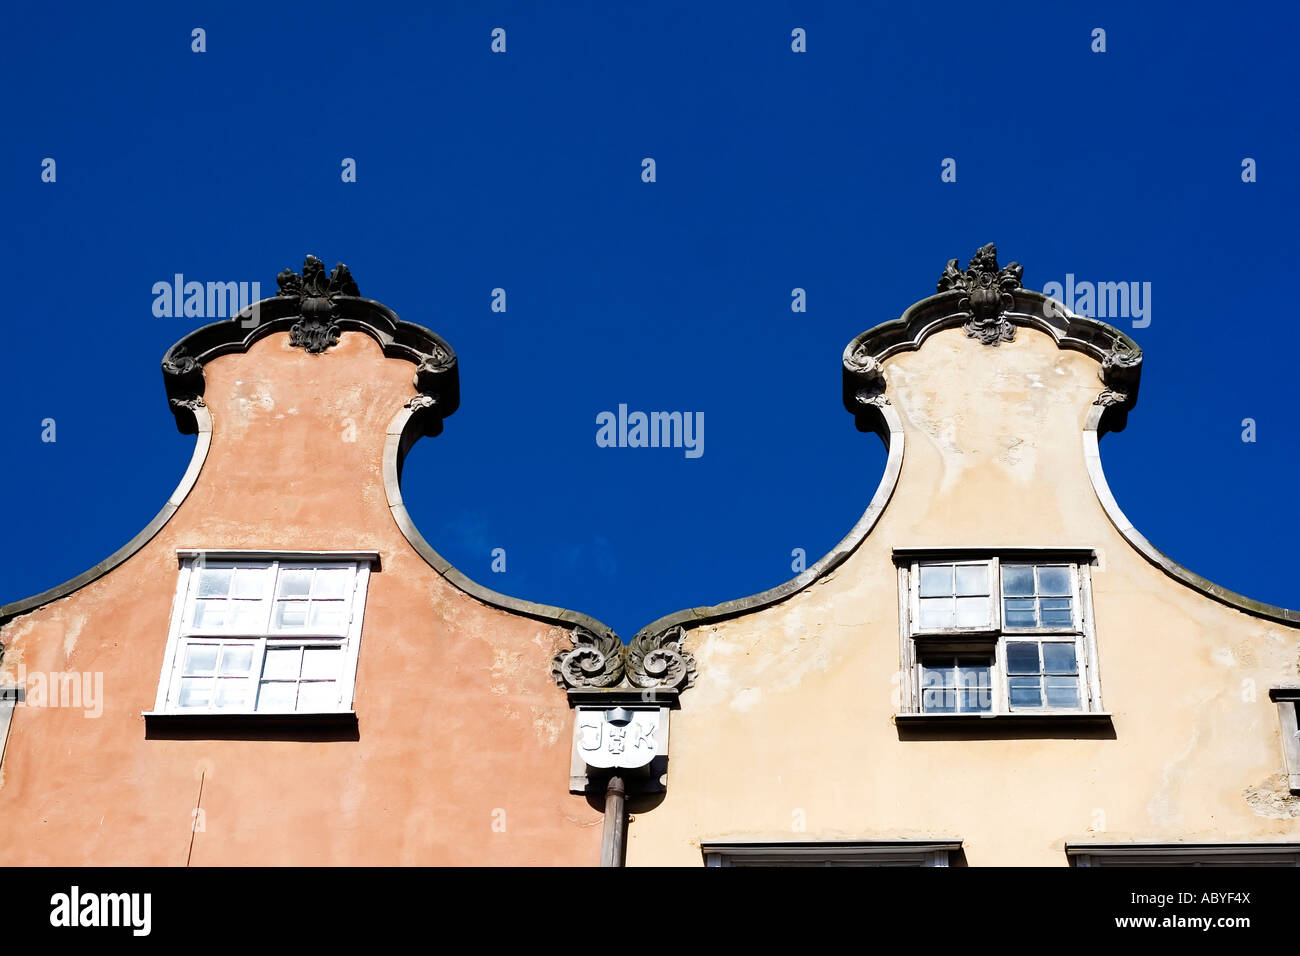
(1062, 691)
(277, 696)
(977, 692)
(200, 658)
(281, 663)
(1022, 657)
(214, 582)
(939, 701)
(1059, 658)
(1057, 612)
(210, 613)
(295, 582)
(195, 692)
(1024, 692)
(321, 662)
(290, 614)
(972, 612)
(1019, 612)
(246, 617)
(327, 615)
(973, 579)
(1054, 579)
(318, 696)
(936, 612)
(932, 676)
(332, 582)
(236, 658)
(936, 579)
(233, 694)
(1017, 579)
(249, 582)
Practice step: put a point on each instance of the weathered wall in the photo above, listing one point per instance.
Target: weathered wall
(790, 720)
(458, 716)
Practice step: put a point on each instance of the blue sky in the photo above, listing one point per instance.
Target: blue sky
(522, 171)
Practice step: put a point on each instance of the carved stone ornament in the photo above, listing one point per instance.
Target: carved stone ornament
(1119, 373)
(316, 330)
(660, 660)
(651, 661)
(987, 296)
(869, 373)
(593, 661)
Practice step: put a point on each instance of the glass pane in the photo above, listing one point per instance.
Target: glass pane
(246, 617)
(973, 579)
(327, 615)
(1022, 657)
(932, 676)
(936, 580)
(972, 612)
(277, 697)
(317, 696)
(1059, 659)
(233, 694)
(281, 663)
(1018, 612)
(1024, 692)
(214, 582)
(1017, 579)
(236, 658)
(249, 582)
(1062, 692)
(332, 582)
(938, 701)
(210, 613)
(977, 689)
(290, 613)
(295, 582)
(1054, 579)
(322, 662)
(200, 658)
(936, 612)
(195, 692)
(1057, 612)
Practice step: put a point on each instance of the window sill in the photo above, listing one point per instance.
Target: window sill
(334, 725)
(1092, 724)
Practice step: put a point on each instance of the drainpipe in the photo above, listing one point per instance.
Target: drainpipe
(613, 842)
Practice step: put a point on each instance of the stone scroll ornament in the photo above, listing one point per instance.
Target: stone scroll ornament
(987, 296)
(870, 375)
(316, 330)
(1119, 373)
(650, 661)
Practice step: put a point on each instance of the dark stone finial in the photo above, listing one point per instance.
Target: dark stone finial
(987, 289)
(316, 330)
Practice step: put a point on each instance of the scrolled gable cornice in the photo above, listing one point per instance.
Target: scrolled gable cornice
(314, 310)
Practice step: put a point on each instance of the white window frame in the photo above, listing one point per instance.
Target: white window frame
(1183, 854)
(811, 853)
(348, 637)
(917, 642)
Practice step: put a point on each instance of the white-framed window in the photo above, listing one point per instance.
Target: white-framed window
(812, 853)
(997, 633)
(255, 632)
